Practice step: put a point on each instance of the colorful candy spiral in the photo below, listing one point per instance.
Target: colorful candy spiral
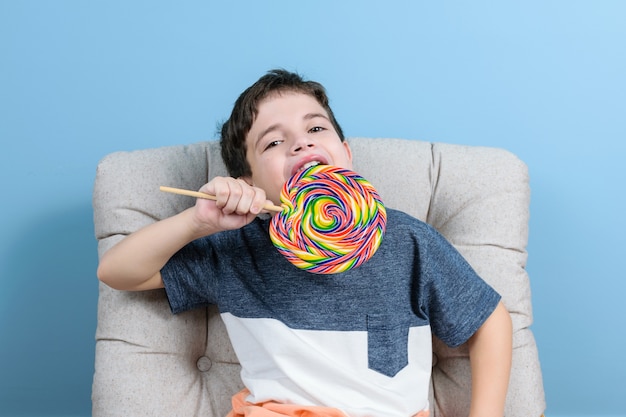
(333, 220)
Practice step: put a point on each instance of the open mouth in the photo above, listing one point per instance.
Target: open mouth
(309, 165)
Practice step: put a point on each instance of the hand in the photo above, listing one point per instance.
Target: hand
(237, 204)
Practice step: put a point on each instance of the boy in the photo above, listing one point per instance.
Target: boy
(356, 343)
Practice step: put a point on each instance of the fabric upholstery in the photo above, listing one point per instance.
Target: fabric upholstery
(152, 363)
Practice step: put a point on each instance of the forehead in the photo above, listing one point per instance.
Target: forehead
(287, 104)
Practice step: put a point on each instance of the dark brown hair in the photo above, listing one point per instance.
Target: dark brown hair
(245, 110)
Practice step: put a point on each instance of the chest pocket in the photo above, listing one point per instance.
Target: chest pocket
(387, 343)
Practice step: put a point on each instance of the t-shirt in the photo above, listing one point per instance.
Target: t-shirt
(359, 340)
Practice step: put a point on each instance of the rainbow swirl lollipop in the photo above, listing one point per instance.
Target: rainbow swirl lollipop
(333, 220)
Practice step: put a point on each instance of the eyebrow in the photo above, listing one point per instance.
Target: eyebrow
(276, 126)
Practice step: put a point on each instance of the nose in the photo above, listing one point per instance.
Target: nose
(301, 143)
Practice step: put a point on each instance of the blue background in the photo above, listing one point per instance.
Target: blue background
(80, 79)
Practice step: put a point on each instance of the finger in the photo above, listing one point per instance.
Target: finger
(218, 188)
(259, 200)
(240, 198)
(251, 199)
(236, 196)
(228, 195)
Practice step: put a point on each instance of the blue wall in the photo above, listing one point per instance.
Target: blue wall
(545, 79)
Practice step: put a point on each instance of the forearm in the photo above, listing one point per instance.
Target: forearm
(135, 262)
(490, 358)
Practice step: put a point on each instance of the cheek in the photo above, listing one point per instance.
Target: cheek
(266, 178)
(267, 172)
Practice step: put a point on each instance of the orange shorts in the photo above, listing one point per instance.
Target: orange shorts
(242, 408)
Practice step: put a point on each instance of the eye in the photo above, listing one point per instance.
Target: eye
(316, 129)
(272, 143)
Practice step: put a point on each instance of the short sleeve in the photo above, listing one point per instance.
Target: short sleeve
(455, 298)
(190, 277)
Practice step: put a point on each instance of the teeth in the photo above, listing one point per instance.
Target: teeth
(309, 165)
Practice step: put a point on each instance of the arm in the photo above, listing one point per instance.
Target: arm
(490, 350)
(135, 263)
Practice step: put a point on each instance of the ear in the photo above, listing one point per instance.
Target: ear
(348, 152)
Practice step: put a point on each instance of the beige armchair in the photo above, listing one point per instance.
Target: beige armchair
(152, 363)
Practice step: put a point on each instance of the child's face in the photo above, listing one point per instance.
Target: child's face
(291, 131)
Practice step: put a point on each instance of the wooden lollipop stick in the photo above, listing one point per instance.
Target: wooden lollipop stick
(197, 194)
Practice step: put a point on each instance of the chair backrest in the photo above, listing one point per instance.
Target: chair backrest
(152, 363)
